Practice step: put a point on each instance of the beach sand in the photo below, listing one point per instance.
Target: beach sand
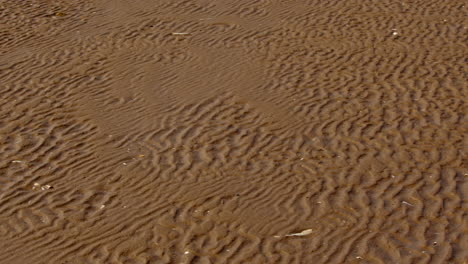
(197, 131)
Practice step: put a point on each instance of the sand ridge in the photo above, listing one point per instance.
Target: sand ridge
(195, 131)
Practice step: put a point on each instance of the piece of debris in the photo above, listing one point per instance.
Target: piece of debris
(180, 33)
(404, 202)
(37, 185)
(16, 161)
(303, 233)
(46, 187)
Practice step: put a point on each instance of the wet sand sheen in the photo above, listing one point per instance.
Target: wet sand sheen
(199, 131)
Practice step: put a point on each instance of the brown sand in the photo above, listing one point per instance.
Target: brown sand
(216, 131)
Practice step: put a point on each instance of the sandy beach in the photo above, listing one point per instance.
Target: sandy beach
(215, 131)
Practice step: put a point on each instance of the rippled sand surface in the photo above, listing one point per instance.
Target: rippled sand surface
(216, 131)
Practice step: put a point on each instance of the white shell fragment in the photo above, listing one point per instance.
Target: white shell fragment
(46, 187)
(303, 233)
(37, 185)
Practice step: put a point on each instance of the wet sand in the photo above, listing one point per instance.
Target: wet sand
(196, 131)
